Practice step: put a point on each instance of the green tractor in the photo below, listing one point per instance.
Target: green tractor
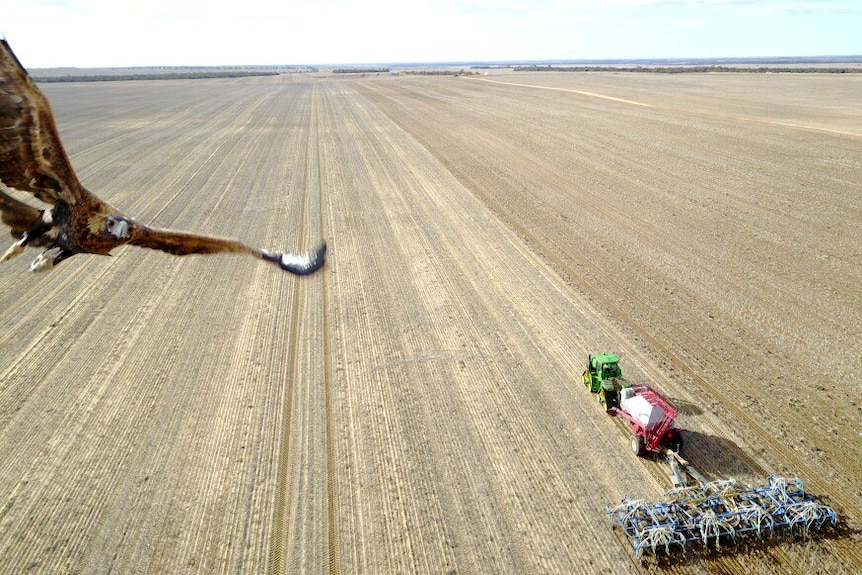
(604, 377)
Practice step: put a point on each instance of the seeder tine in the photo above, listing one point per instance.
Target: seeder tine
(684, 495)
(714, 526)
(721, 487)
(756, 519)
(662, 536)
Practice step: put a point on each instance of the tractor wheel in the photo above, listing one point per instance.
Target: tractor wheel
(638, 446)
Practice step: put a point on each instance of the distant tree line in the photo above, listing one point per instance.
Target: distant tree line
(360, 71)
(690, 69)
(462, 72)
(110, 77)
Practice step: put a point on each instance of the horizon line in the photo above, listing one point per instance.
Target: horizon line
(825, 58)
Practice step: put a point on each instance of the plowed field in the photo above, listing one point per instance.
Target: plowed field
(416, 407)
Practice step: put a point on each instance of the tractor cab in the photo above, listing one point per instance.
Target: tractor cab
(604, 377)
(601, 366)
(610, 368)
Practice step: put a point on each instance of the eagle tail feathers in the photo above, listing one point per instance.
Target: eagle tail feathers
(298, 264)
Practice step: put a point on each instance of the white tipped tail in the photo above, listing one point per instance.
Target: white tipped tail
(299, 264)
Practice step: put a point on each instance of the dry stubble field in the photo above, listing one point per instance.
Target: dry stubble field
(417, 406)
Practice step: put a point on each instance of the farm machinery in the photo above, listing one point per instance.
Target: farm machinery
(695, 512)
(650, 417)
(720, 512)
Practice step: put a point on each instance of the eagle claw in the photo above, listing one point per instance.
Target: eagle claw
(45, 261)
(14, 250)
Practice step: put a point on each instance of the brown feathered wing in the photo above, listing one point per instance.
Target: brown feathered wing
(185, 243)
(19, 216)
(32, 158)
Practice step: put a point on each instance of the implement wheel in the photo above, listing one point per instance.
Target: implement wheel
(638, 445)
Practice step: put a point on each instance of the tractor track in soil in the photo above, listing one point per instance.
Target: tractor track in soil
(417, 405)
(285, 559)
(333, 524)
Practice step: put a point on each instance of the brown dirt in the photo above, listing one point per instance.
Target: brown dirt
(417, 406)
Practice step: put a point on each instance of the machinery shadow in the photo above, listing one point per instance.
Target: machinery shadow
(685, 407)
(717, 457)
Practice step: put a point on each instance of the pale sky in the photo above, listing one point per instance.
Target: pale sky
(103, 33)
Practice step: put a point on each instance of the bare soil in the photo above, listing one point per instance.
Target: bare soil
(416, 407)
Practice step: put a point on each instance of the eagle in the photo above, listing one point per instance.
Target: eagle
(33, 161)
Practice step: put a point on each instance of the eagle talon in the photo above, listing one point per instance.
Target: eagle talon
(46, 261)
(14, 250)
(41, 264)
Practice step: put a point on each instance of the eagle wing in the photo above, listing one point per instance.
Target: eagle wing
(19, 216)
(32, 158)
(185, 243)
